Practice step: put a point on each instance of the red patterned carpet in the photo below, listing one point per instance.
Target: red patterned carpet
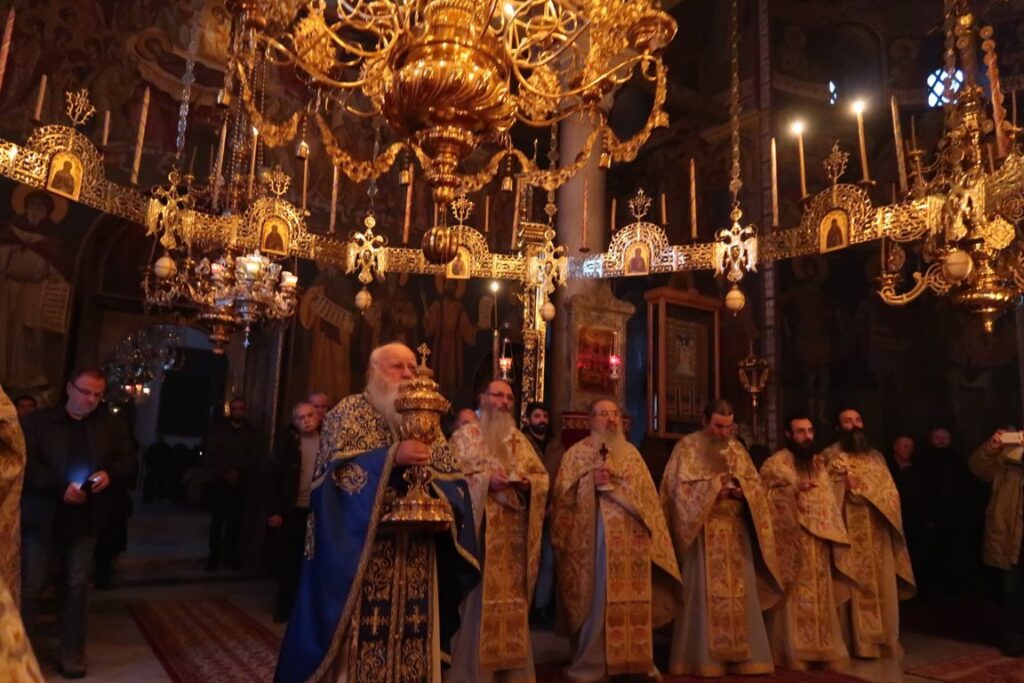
(983, 666)
(552, 674)
(202, 641)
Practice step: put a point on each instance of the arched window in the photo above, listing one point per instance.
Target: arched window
(833, 92)
(938, 82)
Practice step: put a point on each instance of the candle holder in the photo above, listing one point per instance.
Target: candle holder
(754, 374)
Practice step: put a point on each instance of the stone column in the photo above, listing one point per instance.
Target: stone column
(573, 135)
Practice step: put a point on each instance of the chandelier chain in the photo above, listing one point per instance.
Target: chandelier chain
(188, 79)
(735, 181)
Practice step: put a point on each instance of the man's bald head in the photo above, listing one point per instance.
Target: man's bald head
(394, 362)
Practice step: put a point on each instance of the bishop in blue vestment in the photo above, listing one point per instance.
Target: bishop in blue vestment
(377, 603)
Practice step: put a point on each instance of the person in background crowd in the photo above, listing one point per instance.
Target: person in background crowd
(909, 471)
(291, 478)
(232, 450)
(76, 452)
(957, 501)
(321, 401)
(466, 416)
(998, 462)
(25, 405)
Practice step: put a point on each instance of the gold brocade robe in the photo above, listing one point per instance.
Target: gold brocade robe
(642, 573)
(877, 550)
(12, 473)
(809, 525)
(397, 566)
(508, 528)
(17, 663)
(689, 494)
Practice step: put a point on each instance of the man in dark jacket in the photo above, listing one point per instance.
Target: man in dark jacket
(77, 452)
(291, 478)
(232, 450)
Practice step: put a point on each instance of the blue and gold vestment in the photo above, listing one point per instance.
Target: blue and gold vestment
(375, 603)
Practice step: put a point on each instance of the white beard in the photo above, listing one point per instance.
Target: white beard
(614, 440)
(381, 394)
(496, 426)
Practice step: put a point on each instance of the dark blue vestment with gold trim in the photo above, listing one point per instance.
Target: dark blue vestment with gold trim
(378, 602)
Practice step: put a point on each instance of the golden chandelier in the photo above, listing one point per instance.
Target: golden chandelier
(971, 193)
(448, 77)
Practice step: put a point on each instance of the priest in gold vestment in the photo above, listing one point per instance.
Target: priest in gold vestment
(616, 568)
(17, 663)
(508, 485)
(877, 554)
(804, 628)
(376, 601)
(709, 491)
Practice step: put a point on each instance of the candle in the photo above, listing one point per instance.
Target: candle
(408, 203)
(487, 213)
(334, 197)
(664, 214)
(991, 160)
(289, 280)
(858, 110)
(775, 186)
(1013, 103)
(252, 160)
(105, 137)
(140, 136)
(693, 199)
(305, 182)
(5, 46)
(40, 98)
(897, 132)
(798, 130)
(913, 134)
(614, 211)
(219, 164)
(586, 211)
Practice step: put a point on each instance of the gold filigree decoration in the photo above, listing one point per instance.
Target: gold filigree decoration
(997, 233)
(736, 251)
(368, 248)
(835, 164)
(277, 181)
(79, 109)
(461, 209)
(350, 478)
(639, 205)
(273, 134)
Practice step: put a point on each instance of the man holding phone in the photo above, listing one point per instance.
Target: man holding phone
(75, 452)
(998, 462)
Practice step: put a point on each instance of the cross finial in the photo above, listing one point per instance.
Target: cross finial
(424, 353)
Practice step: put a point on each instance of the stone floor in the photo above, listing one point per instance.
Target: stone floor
(118, 653)
(166, 560)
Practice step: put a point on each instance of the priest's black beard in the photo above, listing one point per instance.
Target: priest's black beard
(539, 430)
(854, 441)
(803, 452)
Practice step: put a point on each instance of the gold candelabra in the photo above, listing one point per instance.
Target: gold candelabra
(230, 291)
(451, 76)
(968, 249)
